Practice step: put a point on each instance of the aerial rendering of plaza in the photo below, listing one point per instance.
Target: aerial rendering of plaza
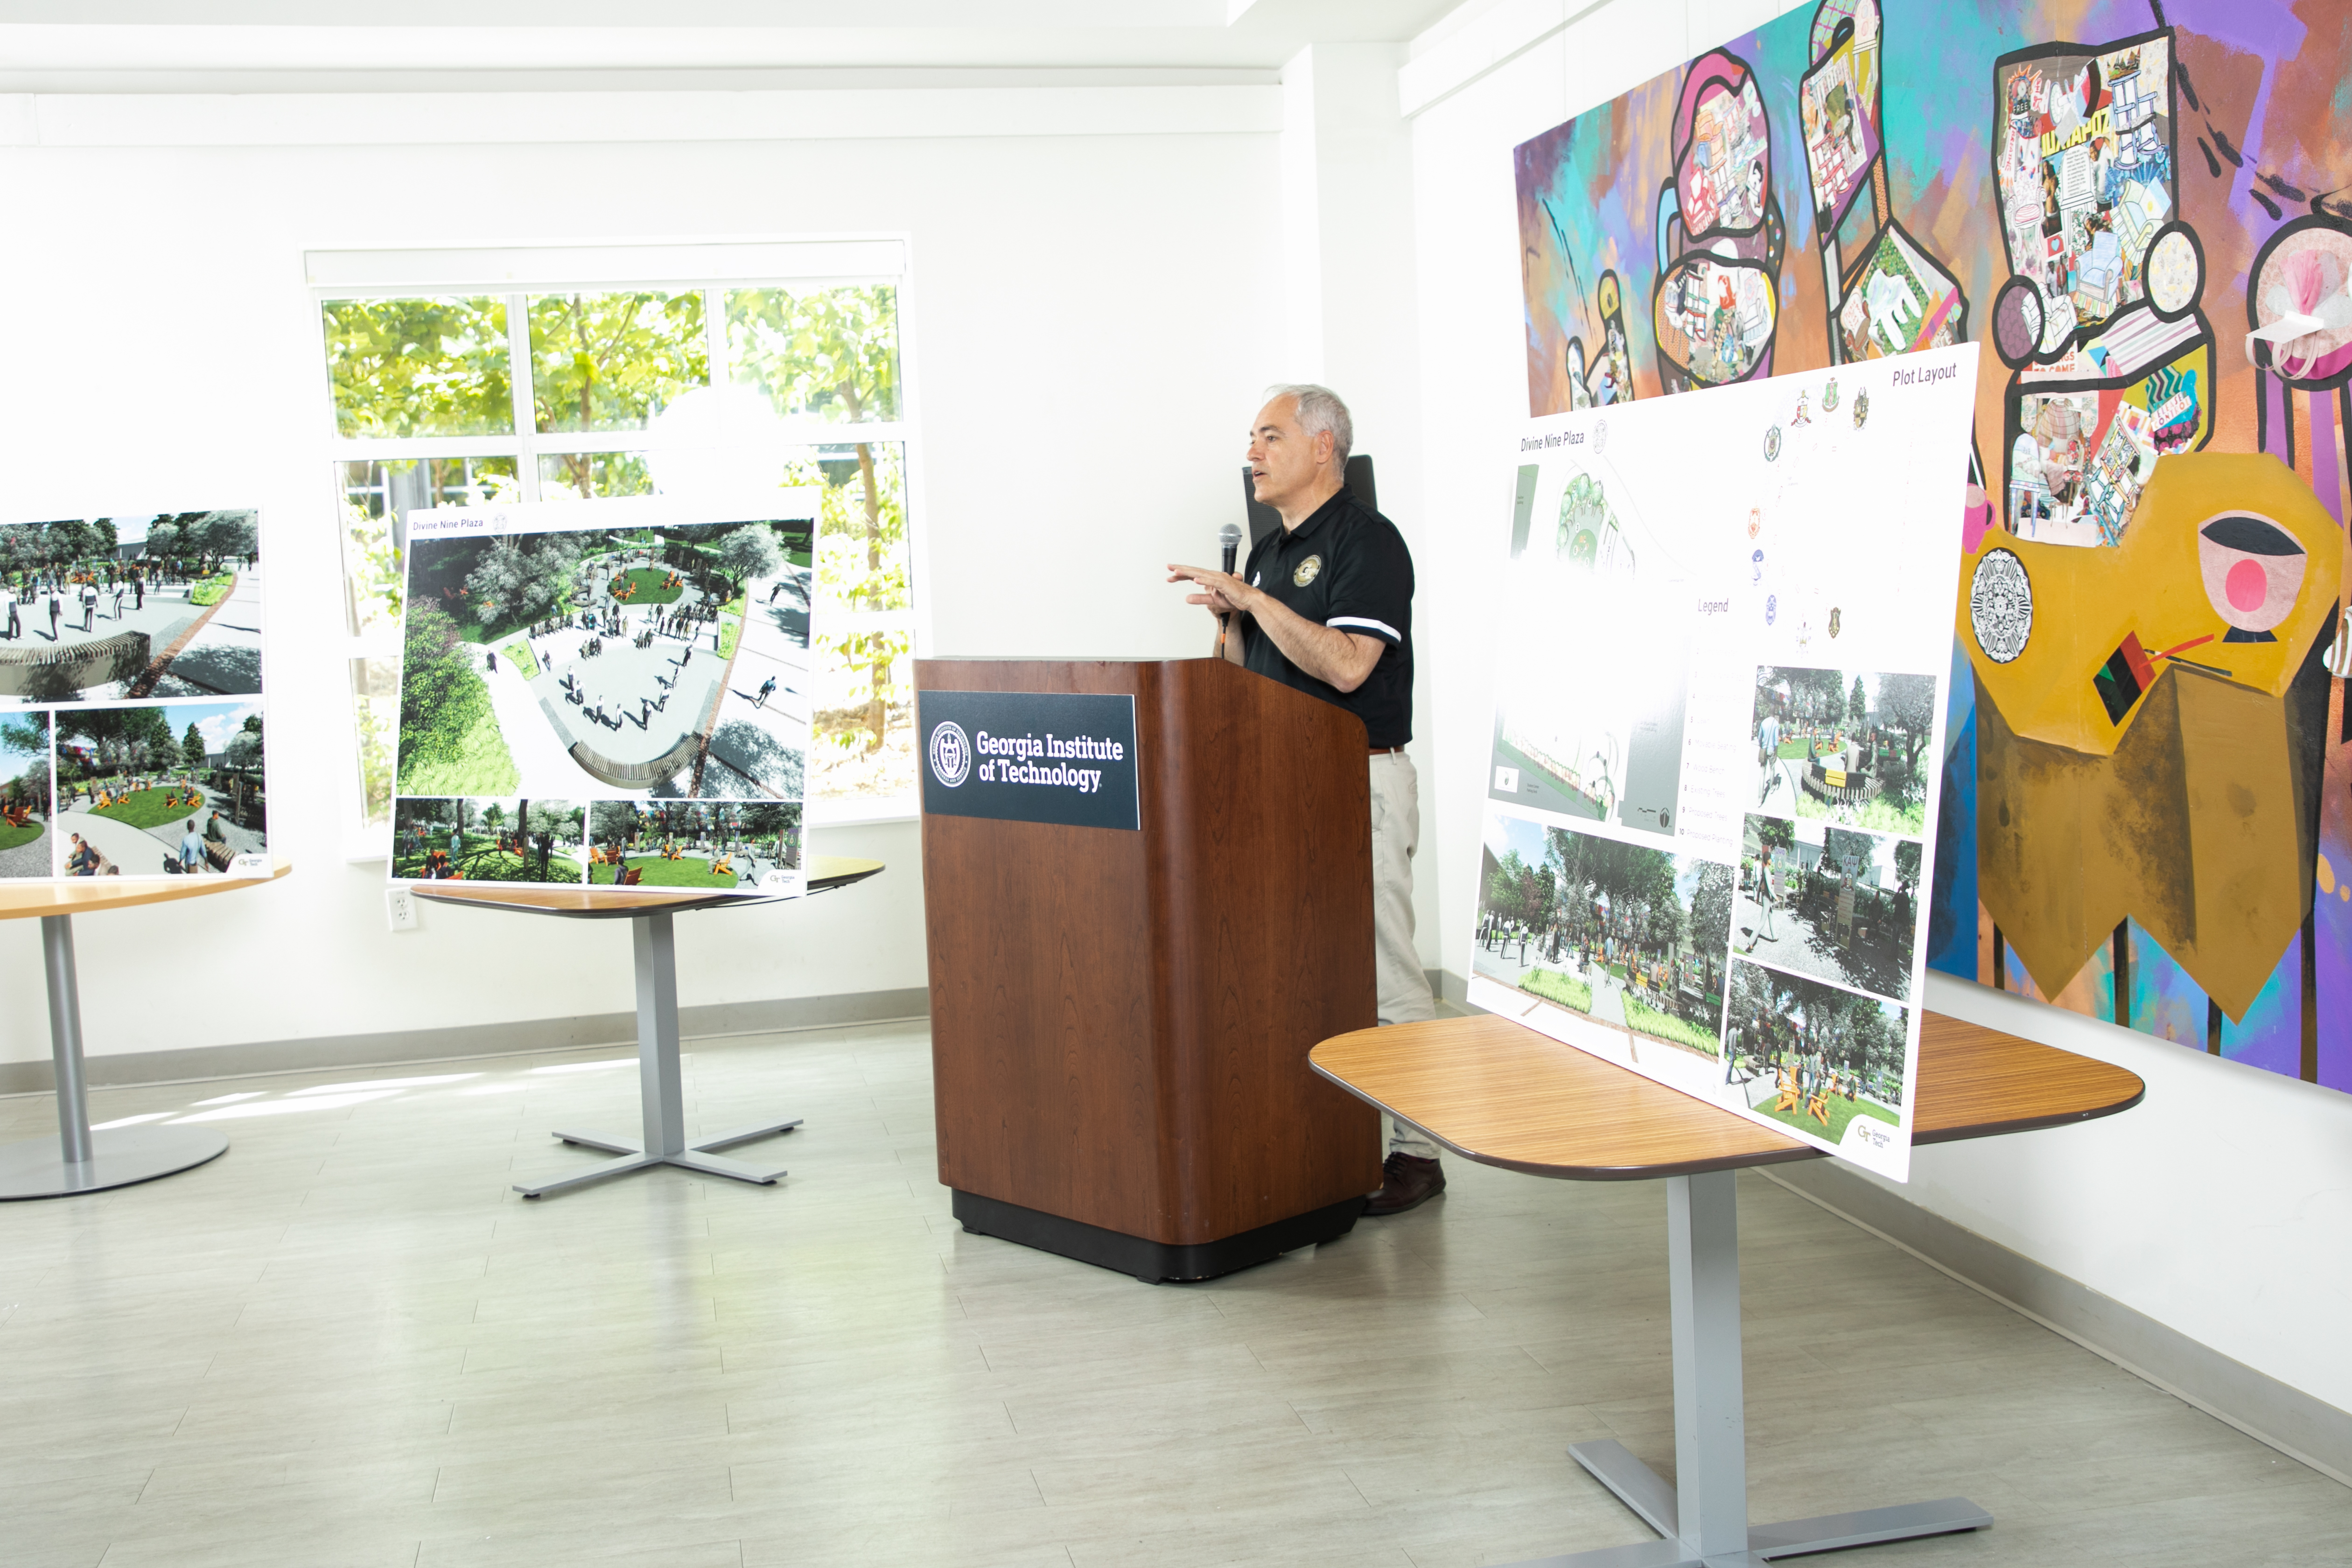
(609, 664)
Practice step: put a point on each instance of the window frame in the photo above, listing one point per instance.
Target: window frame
(513, 274)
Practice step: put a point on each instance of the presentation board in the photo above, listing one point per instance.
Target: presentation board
(1719, 672)
(2140, 213)
(612, 692)
(132, 736)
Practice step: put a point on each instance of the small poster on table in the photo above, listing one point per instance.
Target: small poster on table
(1720, 675)
(131, 734)
(608, 693)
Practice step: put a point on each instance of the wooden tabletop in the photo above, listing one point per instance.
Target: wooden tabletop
(82, 895)
(825, 873)
(1497, 1093)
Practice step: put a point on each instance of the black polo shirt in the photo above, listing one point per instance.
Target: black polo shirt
(1345, 567)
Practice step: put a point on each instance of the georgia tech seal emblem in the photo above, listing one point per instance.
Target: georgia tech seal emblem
(1306, 572)
(950, 751)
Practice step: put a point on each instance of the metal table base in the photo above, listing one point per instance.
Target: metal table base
(659, 1093)
(1704, 1514)
(81, 1161)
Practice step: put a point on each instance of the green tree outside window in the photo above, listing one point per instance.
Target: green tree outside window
(595, 476)
(822, 353)
(861, 566)
(833, 354)
(611, 361)
(419, 367)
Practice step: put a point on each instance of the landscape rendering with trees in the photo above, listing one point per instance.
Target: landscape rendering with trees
(1847, 746)
(1630, 937)
(165, 605)
(132, 727)
(599, 653)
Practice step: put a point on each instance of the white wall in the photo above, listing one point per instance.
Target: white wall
(2222, 1204)
(1090, 317)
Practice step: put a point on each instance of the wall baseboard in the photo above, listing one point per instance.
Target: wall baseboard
(398, 1047)
(2305, 1429)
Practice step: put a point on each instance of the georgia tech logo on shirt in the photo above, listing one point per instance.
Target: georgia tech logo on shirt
(1307, 571)
(950, 751)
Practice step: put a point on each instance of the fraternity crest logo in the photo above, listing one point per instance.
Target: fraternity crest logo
(1306, 572)
(951, 753)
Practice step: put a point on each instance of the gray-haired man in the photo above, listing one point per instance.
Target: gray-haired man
(1326, 605)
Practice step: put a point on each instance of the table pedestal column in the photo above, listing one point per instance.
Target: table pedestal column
(1704, 1514)
(81, 1161)
(659, 1086)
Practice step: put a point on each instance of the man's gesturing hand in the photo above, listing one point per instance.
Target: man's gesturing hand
(1221, 592)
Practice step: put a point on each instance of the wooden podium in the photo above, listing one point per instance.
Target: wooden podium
(1120, 1017)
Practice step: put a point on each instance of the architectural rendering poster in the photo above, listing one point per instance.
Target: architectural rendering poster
(2141, 215)
(607, 693)
(132, 742)
(1719, 705)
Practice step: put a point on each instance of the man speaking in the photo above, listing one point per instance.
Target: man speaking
(1326, 605)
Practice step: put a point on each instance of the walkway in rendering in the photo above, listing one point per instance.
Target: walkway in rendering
(625, 722)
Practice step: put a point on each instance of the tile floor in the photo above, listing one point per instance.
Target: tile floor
(347, 1343)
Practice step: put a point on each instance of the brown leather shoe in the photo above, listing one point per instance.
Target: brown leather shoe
(1406, 1181)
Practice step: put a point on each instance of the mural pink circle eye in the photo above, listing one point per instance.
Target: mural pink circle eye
(2253, 571)
(2247, 585)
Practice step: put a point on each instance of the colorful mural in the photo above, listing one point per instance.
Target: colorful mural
(2144, 212)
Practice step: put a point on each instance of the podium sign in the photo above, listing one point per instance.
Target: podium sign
(1059, 757)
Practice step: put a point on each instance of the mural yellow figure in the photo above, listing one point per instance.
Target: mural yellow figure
(2146, 749)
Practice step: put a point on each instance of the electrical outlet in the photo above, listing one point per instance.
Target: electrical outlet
(400, 909)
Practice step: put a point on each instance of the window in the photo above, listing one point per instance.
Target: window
(444, 393)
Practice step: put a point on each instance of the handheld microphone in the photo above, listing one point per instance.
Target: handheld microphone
(1230, 538)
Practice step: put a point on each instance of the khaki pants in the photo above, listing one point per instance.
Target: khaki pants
(1404, 984)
